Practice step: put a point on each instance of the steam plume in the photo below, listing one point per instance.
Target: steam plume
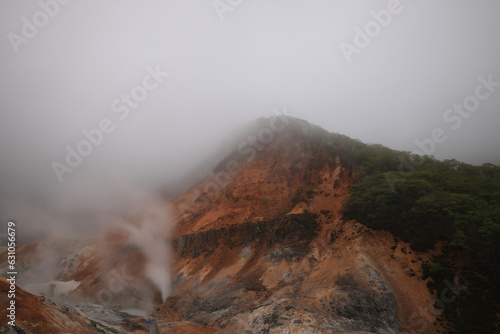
(150, 238)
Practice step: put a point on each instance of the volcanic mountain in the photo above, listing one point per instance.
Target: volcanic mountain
(261, 245)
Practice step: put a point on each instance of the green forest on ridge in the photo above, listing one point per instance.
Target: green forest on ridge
(422, 200)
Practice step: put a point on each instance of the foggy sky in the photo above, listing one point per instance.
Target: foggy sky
(223, 74)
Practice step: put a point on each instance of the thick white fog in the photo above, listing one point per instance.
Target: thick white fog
(147, 91)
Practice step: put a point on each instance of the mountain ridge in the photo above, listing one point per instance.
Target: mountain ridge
(271, 247)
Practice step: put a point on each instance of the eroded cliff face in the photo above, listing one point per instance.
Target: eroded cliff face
(262, 278)
(261, 247)
(282, 178)
(270, 252)
(272, 276)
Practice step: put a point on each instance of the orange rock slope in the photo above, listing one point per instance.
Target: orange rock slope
(43, 317)
(261, 247)
(225, 275)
